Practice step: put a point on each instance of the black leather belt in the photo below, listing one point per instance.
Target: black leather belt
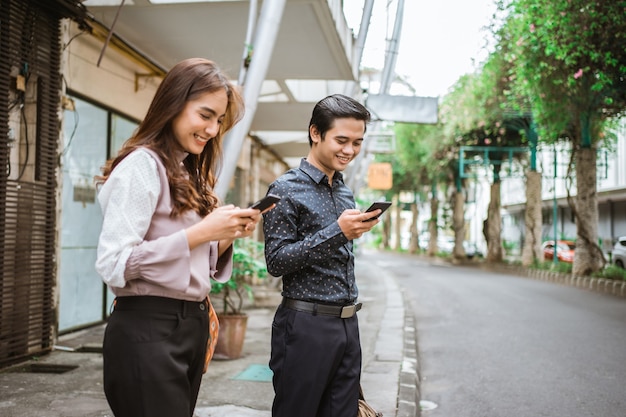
(158, 304)
(344, 312)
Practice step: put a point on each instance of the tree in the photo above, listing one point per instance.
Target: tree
(568, 56)
(479, 112)
(412, 166)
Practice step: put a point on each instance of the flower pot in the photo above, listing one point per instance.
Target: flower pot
(231, 336)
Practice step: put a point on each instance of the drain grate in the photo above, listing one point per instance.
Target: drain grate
(254, 372)
(90, 348)
(44, 368)
(86, 348)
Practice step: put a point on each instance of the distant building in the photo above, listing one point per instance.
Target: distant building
(611, 182)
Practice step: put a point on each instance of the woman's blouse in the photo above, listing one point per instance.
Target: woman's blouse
(142, 250)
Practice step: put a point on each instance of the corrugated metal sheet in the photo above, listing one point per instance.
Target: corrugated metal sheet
(29, 37)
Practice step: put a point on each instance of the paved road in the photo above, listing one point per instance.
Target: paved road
(493, 345)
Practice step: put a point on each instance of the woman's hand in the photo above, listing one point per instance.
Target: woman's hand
(224, 224)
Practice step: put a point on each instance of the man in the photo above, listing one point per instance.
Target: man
(316, 350)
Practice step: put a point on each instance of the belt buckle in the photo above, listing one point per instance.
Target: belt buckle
(348, 311)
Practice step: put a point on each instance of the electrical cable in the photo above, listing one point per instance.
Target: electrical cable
(23, 112)
(69, 142)
(72, 38)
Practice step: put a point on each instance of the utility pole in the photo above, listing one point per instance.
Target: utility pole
(264, 40)
(360, 164)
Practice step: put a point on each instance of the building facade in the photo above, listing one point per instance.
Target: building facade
(70, 97)
(558, 219)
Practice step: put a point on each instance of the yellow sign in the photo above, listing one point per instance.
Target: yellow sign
(380, 176)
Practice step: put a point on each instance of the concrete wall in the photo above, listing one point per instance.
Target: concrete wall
(117, 93)
(112, 84)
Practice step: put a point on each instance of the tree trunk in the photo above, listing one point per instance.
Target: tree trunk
(458, 224)
(398, 225)
(531, 251)
(432, 227)
(414, 233)
(386, 219)
(494, 225)
(588, 256)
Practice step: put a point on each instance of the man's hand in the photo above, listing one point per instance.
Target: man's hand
(352, 222)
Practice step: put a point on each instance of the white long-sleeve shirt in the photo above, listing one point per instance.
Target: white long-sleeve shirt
(144, 251)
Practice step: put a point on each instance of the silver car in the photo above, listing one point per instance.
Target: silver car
(619, 252)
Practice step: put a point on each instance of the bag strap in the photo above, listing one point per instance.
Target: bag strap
(362, 398)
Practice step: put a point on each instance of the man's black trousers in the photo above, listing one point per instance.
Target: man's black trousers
(316, 360)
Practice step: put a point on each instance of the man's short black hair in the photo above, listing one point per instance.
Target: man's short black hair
(336, 106)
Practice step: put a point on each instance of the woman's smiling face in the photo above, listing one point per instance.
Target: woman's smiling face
(200, 121)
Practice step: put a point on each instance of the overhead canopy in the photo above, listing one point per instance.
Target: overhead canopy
(403, 109)
(311, 59)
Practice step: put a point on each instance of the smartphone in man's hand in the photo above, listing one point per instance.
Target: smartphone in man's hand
(266, 202)
(382, 205)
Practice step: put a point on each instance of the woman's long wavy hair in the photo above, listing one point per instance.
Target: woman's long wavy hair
(191, 188)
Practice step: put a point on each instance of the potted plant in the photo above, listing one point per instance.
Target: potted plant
(248, 265)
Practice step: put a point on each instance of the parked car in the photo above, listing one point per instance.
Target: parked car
(618, 255)
(564, 251)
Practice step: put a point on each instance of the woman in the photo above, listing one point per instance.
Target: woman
(163, 238)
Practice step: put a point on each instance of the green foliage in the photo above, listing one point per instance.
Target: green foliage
(248, 263)
(414, 146)
(461, 109)
(560, 267)
(484, 112)
(376, 242)
(568, 57)
(373, 239)
(481, 108)
(510, 246)
(611, 272)
(423, 158)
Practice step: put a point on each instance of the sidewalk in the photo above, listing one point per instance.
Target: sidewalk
(233, 388)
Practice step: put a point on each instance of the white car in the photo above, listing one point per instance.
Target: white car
(619, 252)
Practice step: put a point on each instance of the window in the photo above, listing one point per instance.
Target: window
(91, 135)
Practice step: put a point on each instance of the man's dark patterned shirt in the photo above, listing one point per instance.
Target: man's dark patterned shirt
(303, 241)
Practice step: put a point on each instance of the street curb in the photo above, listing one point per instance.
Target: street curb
(600, 285)
(395, 354)
(408, 387)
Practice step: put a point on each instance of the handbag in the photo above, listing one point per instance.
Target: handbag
(366, 410)
(214, 327)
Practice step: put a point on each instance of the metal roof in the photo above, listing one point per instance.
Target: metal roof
(312, 55)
